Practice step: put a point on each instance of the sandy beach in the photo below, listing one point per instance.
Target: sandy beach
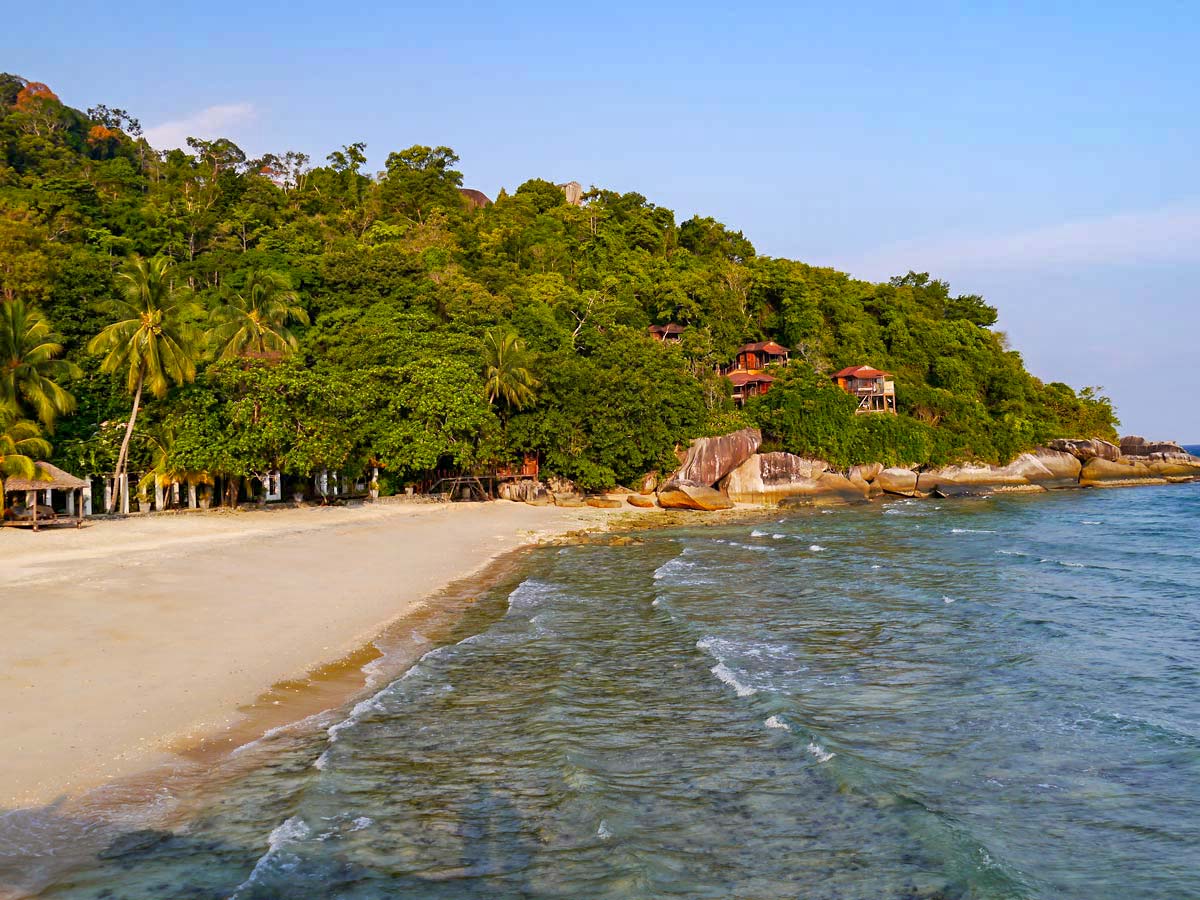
(128, 639)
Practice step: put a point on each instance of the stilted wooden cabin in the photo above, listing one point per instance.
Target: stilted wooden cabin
(669, 333)
(746, 372)
(875, 390)
(40, 504)
(747, 384)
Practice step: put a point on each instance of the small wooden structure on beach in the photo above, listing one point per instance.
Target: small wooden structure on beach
(37, 515)
(875, 390)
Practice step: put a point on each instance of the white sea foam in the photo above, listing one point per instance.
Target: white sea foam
(757, 533)
(1091, 522)
(320, 762)
(971, 531)
(603, 831)
(776, 722)
(778, 537)
(655, 601)
(877, 567)
(724, 674)
(361, 822)
(821, 754)
(530, 593)
(816, 548)
(289, 832)
(948, 599)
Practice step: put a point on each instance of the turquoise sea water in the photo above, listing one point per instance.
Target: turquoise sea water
(920, 699)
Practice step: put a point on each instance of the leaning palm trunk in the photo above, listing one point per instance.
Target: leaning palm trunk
(123, 456)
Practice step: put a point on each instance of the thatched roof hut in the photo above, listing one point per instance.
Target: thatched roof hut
(58, 481)
(37, 514)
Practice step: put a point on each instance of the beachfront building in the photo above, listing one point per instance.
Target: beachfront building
(875, 390)
(58, 499)
(747, 373)
(669, 333)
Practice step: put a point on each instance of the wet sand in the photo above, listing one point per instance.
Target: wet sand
(128, 641)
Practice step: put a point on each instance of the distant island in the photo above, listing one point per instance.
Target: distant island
(235, 328)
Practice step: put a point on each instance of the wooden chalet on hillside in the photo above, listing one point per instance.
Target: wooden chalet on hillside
(669, 333)
(747, 373)
(875, 390)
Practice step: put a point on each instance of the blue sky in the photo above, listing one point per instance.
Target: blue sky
(1043, 155)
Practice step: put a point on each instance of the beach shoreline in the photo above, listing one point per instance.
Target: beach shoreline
(135, 645)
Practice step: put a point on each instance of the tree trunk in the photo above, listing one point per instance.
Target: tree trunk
(123, 457)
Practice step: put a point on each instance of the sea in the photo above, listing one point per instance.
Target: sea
(974, 698)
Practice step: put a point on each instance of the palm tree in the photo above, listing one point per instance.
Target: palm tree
(20, 445)
(150, 340)
(29, 364)
(255, 321)
(506, 369)
(160, 439)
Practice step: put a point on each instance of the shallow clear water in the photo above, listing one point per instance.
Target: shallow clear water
(983, 699)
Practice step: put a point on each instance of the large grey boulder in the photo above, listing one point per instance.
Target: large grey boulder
(1042, 469)
(692, 496)
(766, 478)
(708, 460)
(1083, 450)
(902, 482)
(827, 489)
(1107, 473)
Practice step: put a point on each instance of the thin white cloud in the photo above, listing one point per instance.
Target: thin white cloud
(208, 123)
(1167, 235)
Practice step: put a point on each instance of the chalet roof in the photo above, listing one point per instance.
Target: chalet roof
(59, 481)
(764, 347)
(743, 378)
(669, 328)
(475, 198)
(861, 372)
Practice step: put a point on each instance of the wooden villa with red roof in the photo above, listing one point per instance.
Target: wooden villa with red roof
(747, 374)
(875, 390)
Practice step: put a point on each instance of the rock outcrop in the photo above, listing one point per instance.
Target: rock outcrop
(708, 460)
(1040, 470)
(1120, 473)
(902, 482)
(767, 478)
(1133, 445)
(827, 489)
(648, 484)
(604, 502)
(1083, 450)
(689, 496)
(642, 501)
(868, 472)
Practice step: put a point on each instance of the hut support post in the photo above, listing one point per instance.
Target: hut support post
(191, 495)
(70, 503)
(86, 498)
(158, 493)
(123, 488)
(108, 488)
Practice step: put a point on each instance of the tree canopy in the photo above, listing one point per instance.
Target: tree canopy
(358, 319)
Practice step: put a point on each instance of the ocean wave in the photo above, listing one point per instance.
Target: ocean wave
(776, 722)
(820, 753)
(757, 533)
(725, 674)
(816, 548)
(290, 831)
(971, 531)
(531, 592)
(946, 599)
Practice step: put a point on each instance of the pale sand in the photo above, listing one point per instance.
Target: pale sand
(127, 638)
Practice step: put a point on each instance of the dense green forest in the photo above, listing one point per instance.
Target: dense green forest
(272, 313)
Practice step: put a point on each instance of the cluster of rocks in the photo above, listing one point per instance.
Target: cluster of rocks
(716, 473)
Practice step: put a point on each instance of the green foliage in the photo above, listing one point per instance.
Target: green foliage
(415, 298)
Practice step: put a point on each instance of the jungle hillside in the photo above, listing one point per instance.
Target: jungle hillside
(202, 311)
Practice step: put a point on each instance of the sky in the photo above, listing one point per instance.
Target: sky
(1043, 155)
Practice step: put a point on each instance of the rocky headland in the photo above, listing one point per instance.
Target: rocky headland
(720, 472)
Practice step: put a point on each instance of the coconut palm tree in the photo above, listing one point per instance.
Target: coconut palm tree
(150, 341)
(506, 369)
(29, 365)
(160, 439)
(255, 321)
(21, 444)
